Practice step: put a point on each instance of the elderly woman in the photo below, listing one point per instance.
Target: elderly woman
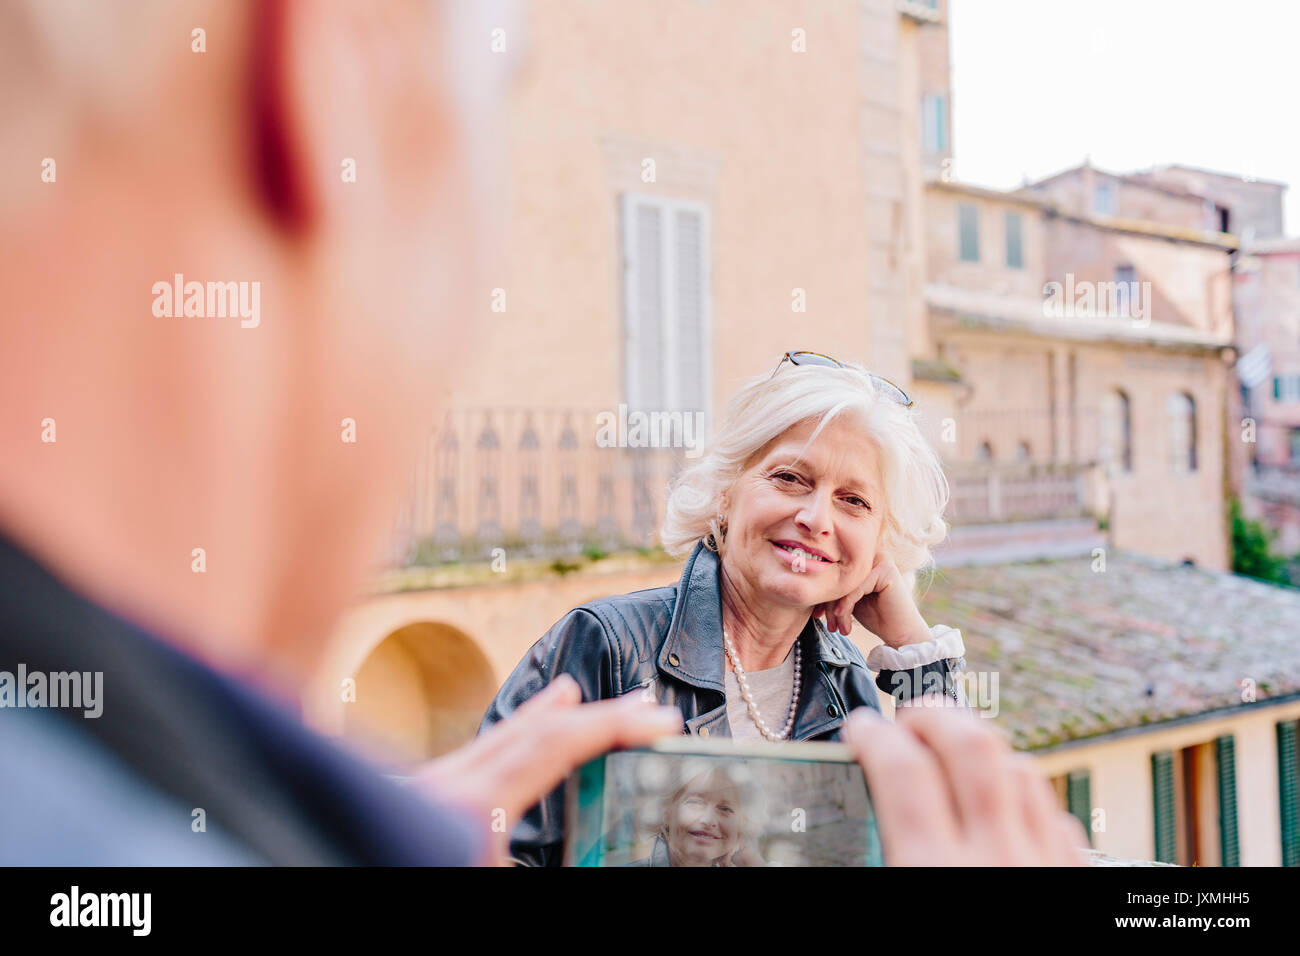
(710, 820)
(818, 501)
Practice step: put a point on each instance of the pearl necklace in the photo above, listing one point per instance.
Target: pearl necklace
(759, 722)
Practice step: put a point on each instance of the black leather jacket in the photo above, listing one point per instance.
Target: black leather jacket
(670, 640)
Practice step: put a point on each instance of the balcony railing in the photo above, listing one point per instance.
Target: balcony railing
(991, 493)
(537, 482)
(1020, 464)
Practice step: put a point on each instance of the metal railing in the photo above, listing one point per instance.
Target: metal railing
(537, 482)
(1020, 464)
(991, 493)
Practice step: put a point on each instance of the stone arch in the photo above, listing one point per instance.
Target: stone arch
(420, 692)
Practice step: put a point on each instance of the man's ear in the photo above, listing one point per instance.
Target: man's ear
(345, 101)
(280, 146)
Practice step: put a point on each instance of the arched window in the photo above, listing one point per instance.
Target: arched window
(1182, 432)
(1117, 430)
(1023, 452)
(985, 452)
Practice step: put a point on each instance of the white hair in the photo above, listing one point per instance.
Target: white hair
(766, 407)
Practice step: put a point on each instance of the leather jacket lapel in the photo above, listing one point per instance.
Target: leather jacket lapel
(692, 653)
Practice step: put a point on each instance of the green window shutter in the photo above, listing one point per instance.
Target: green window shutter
(1078, 792)
(1288, 792)
(1226, 760)
(1162, 792)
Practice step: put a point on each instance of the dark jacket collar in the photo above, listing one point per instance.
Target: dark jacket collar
(693, 652)
(213, 741)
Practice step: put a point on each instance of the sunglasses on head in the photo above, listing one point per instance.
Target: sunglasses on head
(883, 385)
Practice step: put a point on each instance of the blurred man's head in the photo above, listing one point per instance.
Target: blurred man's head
(338, 154)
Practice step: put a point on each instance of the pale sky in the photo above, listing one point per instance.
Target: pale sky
(1039, 84)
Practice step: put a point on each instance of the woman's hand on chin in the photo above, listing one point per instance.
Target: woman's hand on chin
(883, 604)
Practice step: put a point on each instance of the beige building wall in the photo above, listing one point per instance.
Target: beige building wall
(1120, 774)
(1268, 305)
(1153, 509)
(1190, 283)
(1156, 510)
(991, 273)
(795, 155)
(1074, 192)
(1255, 204)
(1050, 399)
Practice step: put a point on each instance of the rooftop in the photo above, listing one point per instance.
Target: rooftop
(986, 309)
(1082, 654)
(1026, 197)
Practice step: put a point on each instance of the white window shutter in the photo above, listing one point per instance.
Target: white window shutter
(643, 244)
(668, 336)
(692, 347)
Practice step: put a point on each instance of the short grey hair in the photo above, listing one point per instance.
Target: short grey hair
(766, 407)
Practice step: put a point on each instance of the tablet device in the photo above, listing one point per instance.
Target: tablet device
(692, 802)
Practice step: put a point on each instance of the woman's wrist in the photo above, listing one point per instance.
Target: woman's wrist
(941, 642)
(918, 632)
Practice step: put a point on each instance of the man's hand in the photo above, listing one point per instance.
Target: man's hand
(524, 757)
(949, 791)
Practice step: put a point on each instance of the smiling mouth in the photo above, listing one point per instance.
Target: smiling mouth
(701, 835)
(796, 551)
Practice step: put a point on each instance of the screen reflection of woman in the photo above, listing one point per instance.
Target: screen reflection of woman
(707, 821)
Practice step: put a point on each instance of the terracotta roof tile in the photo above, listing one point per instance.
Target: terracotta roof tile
(1079, 653)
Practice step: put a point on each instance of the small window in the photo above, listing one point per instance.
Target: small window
(1127, 295)
(1117, 430)
(666, 332)
(1182, 432)
(1023, 452)
(1294, 437)
(1103, 198)
(934, 123)
(1015, 254)
(985, 452)
(968, 227)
